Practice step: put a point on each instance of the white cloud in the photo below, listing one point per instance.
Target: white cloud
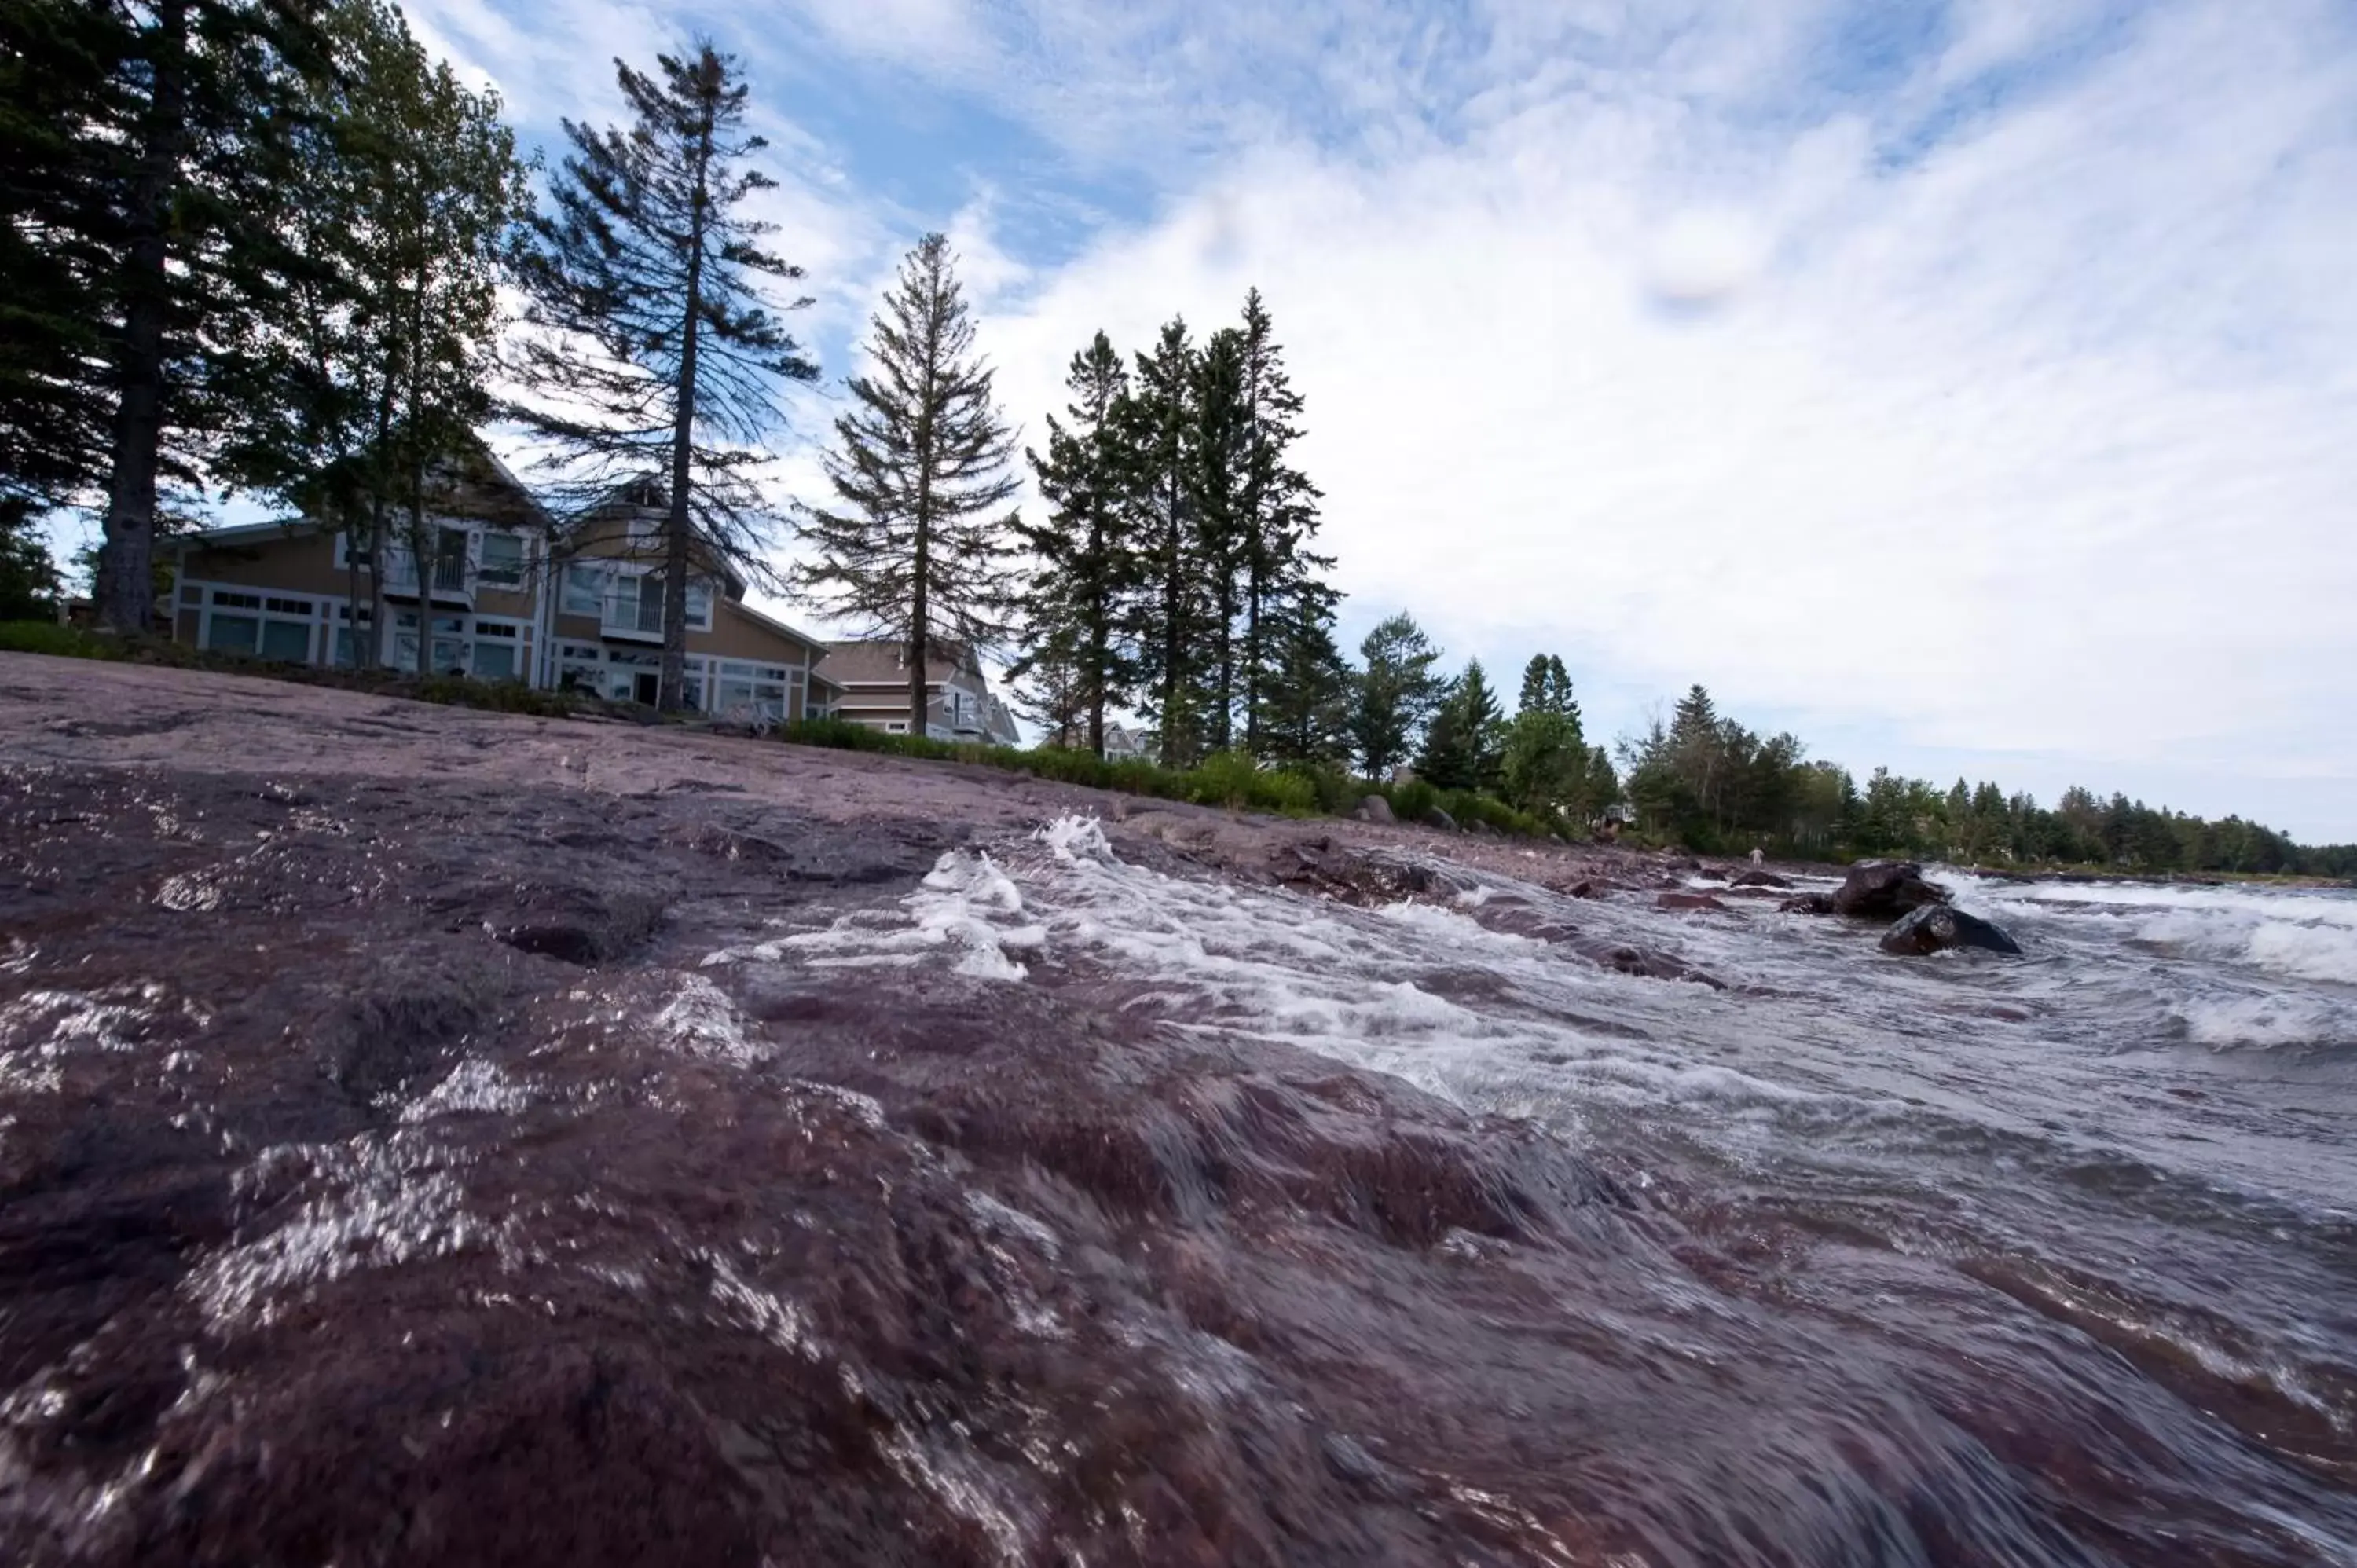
(2036, 443)
(1995, 408)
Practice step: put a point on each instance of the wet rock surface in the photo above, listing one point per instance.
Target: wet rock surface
(1884, 890)
(1935, 927)
(347, 1224)
(392, 1171)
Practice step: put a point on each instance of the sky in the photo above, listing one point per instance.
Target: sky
(1968, 387)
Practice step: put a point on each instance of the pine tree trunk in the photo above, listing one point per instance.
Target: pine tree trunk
(1098, 613)
(920, 608)
(422, 549)
(1252, 654)
(1173, 634)
(672, 678)
(127, 580)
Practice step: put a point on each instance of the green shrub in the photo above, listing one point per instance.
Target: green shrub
(1224, 778)
(1337, 793)
(64, 641)
(1412, 801)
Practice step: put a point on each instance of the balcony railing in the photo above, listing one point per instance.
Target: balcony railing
(450, 574)
(631, 614)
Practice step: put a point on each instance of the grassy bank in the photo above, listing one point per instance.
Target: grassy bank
(1229, 779)
(453, 691)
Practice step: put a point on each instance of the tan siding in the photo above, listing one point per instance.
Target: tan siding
(736, 635)
(304, 565)
(514, 604)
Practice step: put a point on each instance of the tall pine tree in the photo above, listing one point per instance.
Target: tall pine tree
(1077, 608)
(168, 196)
(1175, 611)
(921, 466)
(1303, 702)
(1283, 598)
(1543, 762)
(1394, 693)
(56, 78)
(375, 375)
(657, 351)
(1218, 423)
(1461, 747)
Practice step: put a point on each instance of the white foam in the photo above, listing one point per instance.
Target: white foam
(967, 906)
(2271, 1021)
(2298, 949)
(2298, 935)
(702, 1022)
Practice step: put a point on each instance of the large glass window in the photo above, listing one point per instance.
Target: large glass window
(286, 639)
(232, 633)
(747, 691)
(502, 561)
(699, 604)
(635, 603)
(585, 588)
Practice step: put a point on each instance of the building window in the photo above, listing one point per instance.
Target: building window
(699, 605)
(501, 564)
(232, 633)
(749, 693)
(585, 588)
(274, 628)
(499, 654)
(635, 603)
(286, 639)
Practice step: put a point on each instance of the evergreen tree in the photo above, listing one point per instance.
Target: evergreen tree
(376, 374)
(1546, 688)
(1276, 513)
(55, 80)
(1304, 707)
(921, 465)
(1543, 762)
(657, 351)
(1050, 694)
(1461, 747)
(1396, 693)
(1216, 450)
(155, 218)
(28, 578)
(1174, 610)
(1078, 612)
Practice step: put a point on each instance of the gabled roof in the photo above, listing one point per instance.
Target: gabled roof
(879, 662)
(774, 624)
(247, 533)
(472, 484)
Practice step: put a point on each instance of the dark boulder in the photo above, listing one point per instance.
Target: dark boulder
(1440, 819)
(1936, 927)
(1375, 809)
(1760, 879)
(1807, 904)
(1885, 889)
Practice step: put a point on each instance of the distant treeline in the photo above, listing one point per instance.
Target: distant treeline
(1707, 782)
